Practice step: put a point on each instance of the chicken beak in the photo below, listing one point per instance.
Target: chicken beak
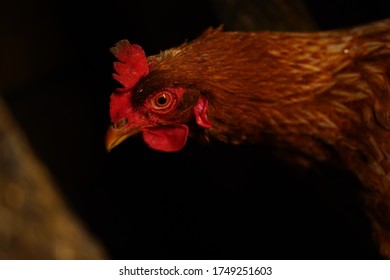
(115, 136)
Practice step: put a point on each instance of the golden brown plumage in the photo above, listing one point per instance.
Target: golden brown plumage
(324, 94)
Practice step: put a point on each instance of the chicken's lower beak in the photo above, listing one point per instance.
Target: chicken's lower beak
(115, 136)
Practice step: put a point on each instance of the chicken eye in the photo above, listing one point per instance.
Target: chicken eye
(162, 101)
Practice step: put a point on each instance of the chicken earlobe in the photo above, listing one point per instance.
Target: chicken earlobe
(200, 110)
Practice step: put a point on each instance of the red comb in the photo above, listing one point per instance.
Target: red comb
(132, 64)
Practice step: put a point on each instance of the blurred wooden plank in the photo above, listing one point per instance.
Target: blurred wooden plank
(35, 223)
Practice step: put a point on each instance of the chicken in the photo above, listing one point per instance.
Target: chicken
(323, 94)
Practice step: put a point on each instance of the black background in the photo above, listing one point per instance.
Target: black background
(205, 202)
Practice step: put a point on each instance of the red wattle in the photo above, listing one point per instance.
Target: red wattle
(166, 139)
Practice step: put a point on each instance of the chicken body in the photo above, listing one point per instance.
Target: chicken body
(324, 94)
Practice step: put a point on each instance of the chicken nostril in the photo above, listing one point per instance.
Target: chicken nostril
(120, 124)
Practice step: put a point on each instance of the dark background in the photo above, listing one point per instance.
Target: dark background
(205, 202)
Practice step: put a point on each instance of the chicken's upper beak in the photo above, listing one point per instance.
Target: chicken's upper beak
(119, 132)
